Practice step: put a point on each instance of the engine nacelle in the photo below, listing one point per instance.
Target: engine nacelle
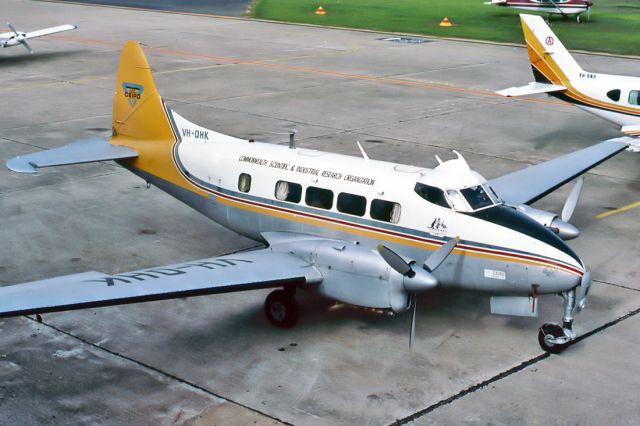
(355, 274)
(565, 230)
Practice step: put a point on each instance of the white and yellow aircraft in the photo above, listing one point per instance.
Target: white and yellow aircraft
(357, 230)
(15, 37)
(615, 98)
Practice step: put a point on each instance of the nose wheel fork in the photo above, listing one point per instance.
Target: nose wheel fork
(554, 338)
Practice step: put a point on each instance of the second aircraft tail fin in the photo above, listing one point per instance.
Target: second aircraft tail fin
(551, 61)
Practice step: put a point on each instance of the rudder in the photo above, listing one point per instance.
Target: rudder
(551, 61)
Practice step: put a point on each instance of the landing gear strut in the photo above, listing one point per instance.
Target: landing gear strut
(554, 338)
(281, 308)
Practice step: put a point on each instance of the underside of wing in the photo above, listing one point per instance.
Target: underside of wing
(531, 89)
(51, 30)
(85, 151)
(529, 185)
(249, 270)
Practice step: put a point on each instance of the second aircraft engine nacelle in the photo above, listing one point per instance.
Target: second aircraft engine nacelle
(354, 274)
(565, 230)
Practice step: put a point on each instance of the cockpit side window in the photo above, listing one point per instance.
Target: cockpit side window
(634, 97)
(432, 194)
(476, 197)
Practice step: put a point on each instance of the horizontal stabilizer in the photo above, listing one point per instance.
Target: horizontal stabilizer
(236, 272)
(84, 151)
(531, 89)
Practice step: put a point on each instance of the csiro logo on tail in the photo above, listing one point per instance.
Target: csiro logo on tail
(132, 92)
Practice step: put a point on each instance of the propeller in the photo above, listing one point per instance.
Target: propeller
(572, 200)
(20, 38)
(416, 278)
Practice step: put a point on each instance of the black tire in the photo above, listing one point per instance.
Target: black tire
(554, 330)
(281, 309)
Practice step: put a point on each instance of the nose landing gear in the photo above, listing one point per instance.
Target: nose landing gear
(554, 338)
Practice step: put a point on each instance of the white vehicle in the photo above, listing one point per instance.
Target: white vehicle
(357, 230)
(615, 98)
(15, 37)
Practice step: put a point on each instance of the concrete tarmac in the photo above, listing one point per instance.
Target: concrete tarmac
(216, 360)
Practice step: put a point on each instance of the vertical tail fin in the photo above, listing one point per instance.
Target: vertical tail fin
(138, 110)
(550, 60)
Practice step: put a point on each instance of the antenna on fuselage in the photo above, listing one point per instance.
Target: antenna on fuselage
(292, 133)
(362, 151)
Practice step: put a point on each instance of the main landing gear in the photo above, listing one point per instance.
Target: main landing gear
(281, 308)
(554, 338)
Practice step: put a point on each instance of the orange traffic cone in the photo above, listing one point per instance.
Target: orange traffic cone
(445, 22)
(320, 11)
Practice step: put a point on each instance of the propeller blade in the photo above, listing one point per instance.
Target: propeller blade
(412, 332)
(26, 46)
(572, 201)
(438, 256)
(12, 28)
(394, 260)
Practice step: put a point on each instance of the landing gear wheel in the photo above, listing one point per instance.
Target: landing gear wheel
(281, 309)
(552, 331)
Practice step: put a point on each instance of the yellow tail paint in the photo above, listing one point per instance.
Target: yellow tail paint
(140, 120)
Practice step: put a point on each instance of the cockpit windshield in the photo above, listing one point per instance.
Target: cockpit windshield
(467, 199)
(477, 197)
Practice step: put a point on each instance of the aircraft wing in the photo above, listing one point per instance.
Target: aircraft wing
(529, 185)
(235, 272)
(47, 31)
(531, 89)
(85, 151)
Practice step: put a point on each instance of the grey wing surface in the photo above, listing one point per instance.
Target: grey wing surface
(237, 272)
(84, 151)
(529, 185)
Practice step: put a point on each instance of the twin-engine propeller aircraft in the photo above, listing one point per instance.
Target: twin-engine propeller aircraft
(357, 230)
(615, 98)
(15, 37)
(551, 7)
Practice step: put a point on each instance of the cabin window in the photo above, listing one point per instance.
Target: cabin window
(431, 194)
(634, 97)
(387, 211)
(614, 95)
(244, 182)
(319, 197)
(288, 191)
(352, 204)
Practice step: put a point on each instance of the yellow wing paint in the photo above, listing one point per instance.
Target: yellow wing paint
(140, 121)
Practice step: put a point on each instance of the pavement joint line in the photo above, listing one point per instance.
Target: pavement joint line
(157, 370)
(471, 389)
(510, 371)
(616, 285)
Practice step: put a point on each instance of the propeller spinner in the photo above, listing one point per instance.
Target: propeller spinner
(416, 278)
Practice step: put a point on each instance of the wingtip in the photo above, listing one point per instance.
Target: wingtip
(20, 165)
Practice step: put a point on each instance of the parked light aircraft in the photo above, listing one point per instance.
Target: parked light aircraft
(364, 232)
(551, 7)
(615, 98)
(15, 37)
